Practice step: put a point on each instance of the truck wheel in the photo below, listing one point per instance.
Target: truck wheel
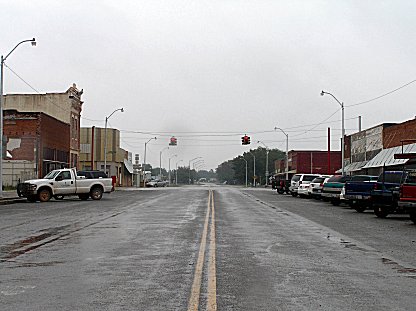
(280, 191)
(96, 193)
(84, 196)
(294, 194)
(44, 195)
(381, 212)
(413, 216)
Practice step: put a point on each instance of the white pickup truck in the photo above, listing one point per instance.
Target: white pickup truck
(64, 182)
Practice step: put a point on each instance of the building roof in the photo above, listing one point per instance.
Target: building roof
(386, 156)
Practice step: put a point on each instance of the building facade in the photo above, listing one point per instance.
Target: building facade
(65, 107)
(310, 161)
(33, 146)
(119, 161)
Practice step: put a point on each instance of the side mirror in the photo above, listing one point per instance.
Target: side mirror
(59, 178)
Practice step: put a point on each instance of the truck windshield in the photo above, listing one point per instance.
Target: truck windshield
(51, 175)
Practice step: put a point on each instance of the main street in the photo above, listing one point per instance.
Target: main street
(203, 247)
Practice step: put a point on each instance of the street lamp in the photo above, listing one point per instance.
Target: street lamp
(267, 161)
(2, 60)
(254, 168)
(144, 160)
(246, 168)
(343, 129)
(189, 165)
(169, 166)
(176, 172)
(160, 162)
(287, 151)
(105, 138)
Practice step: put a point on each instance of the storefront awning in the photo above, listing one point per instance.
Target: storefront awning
(353, 167)
(386, 156)
(128, 165)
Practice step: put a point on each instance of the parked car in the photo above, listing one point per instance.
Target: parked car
(358, 190)
(331, 190)
(156, 183)
(316, 185)
(407, 199)
(64, 182)
(281, 185)
(298, 179)
(385, 194)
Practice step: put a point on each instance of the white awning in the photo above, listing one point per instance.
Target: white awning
(128, 165)
(386, 156)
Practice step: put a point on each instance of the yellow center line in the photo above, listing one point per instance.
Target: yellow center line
(212, 274)
(196, 286)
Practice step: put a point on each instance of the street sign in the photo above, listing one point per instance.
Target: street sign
(405, 155)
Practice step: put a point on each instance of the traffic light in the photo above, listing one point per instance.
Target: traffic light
(245, 140)
(173, 141)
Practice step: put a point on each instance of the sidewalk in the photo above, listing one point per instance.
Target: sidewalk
(10, 197)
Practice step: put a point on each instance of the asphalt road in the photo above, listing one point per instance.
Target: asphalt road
(206, 248)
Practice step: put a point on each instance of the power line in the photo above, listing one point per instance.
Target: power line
(48, 99)
(378, 97)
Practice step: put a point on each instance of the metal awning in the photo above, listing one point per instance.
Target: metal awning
(128, 165)
(386, 156)
(353, 167)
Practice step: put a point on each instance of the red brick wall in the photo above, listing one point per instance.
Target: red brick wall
(392, 135)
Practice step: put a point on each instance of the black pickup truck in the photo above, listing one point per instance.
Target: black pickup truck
(385, 194)
(358, 192)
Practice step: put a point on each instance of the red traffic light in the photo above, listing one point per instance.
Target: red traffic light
(173, 141)
(245, 140)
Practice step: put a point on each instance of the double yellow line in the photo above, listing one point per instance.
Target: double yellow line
(212, 275)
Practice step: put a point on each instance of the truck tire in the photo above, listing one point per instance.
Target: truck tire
(280, 191)
(381, 211)
(84, 196)
(413, 216)
(96, 193)
(44, 195)
(294, 194)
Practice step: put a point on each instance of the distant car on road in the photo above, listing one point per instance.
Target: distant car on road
(156, 183)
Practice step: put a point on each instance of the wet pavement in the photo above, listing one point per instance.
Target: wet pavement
(143, 249)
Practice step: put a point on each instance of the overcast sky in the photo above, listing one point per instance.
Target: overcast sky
(210, 71)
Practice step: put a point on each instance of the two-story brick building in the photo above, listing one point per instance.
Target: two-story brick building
(42, 133)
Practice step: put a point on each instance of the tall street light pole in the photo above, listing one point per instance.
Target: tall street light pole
(160, 162)
(169, 166)
(343, 130)
(254, 168)
(2, 60)
(144, 160)
(246, 168)
(267, 161)
(189, 165)
(176, 172)
(287, 151)
(105, 138)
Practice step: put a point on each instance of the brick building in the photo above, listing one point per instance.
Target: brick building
(363, 149)
(310, 161)
(65, 107)
(33, 146)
